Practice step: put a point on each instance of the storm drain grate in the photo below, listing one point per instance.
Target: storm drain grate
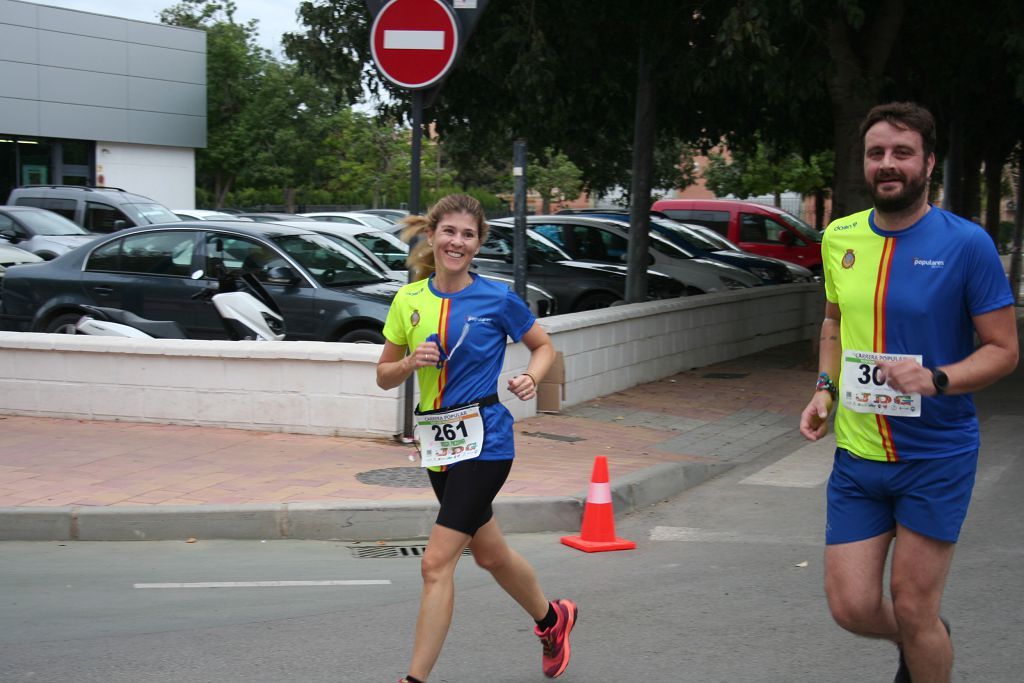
(725, 375)
(400, 477)
(554, 437)
(389, 551)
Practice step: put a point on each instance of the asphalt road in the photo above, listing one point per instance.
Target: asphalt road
(725, 585)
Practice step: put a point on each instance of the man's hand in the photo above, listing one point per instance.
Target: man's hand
(907, 376)
(814, 419)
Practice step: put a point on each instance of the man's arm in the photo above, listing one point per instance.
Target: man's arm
(814, 419)
(995, 357)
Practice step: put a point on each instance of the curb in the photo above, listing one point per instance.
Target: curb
(353, 521)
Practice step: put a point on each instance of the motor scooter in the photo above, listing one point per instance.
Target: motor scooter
(244, 305)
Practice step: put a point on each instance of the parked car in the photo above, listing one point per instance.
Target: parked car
(390, 215)
(771, 271)
(44, 233)
(576, 285)
(206, 215)
(797, 272)
(13, 256)
(351, 217)
(387, 254)
(325, 296)
(271, 217)
(606, 241)
(757, 228)
(97, 209)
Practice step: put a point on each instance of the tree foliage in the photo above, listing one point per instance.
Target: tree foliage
(767, 172)
(554, 178)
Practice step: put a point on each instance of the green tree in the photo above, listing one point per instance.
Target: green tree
(234, 66)
(766, 171)
(554, 178)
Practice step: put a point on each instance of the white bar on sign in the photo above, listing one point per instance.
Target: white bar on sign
(413, 40)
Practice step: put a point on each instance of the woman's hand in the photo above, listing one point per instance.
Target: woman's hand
(523, 386)
(424, 355)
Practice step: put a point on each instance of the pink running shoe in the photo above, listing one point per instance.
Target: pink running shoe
(555, 640)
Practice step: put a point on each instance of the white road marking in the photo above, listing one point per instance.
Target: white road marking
(805, 468)
(265, 584)
(413, 40)
(694, 535)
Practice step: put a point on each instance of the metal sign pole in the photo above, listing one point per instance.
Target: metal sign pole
(404, 34)
(414, 208)
(519, 255)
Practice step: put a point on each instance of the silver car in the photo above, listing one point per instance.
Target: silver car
(12, 256)
(42, 232)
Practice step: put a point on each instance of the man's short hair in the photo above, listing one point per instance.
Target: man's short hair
(909, 115)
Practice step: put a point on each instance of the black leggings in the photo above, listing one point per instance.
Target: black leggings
(466, 491)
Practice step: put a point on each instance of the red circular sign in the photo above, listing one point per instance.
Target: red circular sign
(414, 42)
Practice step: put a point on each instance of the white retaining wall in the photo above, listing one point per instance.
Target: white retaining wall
(324, 388)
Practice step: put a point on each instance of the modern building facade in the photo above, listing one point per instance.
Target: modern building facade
(88, 99)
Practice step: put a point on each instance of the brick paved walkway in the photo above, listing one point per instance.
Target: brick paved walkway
(723, 412)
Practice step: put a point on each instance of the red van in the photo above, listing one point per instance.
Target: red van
(757, 228)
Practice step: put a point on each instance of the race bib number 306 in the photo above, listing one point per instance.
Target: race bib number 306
(864, 392)
(451, 436)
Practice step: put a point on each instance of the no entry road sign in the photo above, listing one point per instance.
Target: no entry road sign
(414, 42)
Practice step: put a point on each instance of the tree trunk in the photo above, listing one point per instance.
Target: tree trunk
(289, 199)
(972, 186)
(545, 204)
(221, 188)
(953, 169)
(859, 61)
(994, 160)
(640, 190)
(1018, 229)
(819, 209)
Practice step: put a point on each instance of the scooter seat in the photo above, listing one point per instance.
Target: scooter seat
(159, 329)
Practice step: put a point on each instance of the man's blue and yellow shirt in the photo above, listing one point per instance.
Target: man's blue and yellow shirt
(912, 291)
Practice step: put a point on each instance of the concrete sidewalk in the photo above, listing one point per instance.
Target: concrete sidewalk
(79, 480)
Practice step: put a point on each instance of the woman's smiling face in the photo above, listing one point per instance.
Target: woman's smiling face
(455, 242)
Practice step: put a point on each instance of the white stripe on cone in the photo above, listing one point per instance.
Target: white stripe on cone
(599, 493)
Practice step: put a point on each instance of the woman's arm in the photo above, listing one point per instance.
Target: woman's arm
(542, 355)
(394, 367)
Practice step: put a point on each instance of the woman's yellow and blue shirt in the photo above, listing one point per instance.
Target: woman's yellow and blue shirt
(472, 326)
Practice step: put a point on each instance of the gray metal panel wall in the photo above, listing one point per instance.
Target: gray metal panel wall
(71, 74)
(20, 81)
(17, 43)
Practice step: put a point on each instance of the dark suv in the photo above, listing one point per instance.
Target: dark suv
(97, 209)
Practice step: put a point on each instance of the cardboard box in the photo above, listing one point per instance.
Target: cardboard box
(549, 397)
(556, 375)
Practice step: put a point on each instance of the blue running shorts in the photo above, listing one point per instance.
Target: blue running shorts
(867, 498)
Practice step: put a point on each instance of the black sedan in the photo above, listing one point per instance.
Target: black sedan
(324, 293)
(576, 285)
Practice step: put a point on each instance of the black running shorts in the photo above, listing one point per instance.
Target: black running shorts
(466, 491)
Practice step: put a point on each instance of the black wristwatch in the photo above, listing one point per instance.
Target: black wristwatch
(940, 380)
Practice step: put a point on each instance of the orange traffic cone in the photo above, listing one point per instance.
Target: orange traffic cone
(598, 531)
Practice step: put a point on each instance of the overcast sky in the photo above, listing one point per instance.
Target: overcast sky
(276, 17)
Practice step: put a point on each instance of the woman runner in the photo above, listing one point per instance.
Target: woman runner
(450, 328)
